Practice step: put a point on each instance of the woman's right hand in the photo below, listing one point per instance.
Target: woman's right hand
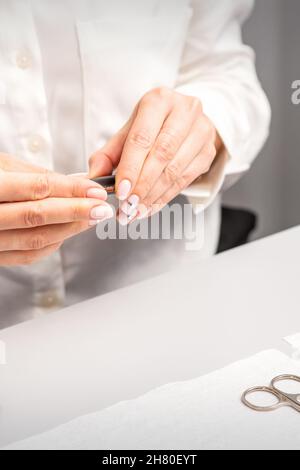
(39, 210)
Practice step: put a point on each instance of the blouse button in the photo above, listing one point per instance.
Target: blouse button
(23, 60)
(50, 300)
(35, 143)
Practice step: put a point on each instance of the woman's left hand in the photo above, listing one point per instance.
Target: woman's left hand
(166, 145)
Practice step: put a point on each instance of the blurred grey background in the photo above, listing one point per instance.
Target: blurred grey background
(272, 188)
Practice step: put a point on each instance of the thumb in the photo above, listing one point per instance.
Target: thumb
(105, 160)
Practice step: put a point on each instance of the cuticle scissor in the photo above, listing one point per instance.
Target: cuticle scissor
(284, 399)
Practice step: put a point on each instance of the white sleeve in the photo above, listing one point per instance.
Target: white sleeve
(220, 70)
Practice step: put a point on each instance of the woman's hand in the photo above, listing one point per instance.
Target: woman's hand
(166, 145)
(39, 210)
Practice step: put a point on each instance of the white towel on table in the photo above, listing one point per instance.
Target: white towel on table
(205, 413)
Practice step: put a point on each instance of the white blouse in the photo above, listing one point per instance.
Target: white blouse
(71, 74)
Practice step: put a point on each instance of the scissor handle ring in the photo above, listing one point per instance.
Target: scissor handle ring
(282, 378)
(269, 390)
(295, 398)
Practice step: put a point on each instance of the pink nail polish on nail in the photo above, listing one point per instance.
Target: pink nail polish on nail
(125, 219)
(124, 189)
(125, 207)
(129, 206)
(133, 215)
(134, 201)
(97, 193)
(102, 213)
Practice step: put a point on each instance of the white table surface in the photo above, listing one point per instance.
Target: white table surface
(172, 328)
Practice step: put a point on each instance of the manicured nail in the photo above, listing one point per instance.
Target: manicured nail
(124, 189)
(132, 216)
(125, 219)
(134, 201)
(102, 213)
(130, 205)
(97, 193)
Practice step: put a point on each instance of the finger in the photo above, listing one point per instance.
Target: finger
(151, 114)
(176, 129)
(20, 258)
(105, 160)
(40, 237)
(16, 187)
(180, 135)
(195, 144)
(199, 166)
(52, 211)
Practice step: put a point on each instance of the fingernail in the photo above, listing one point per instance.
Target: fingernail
(97, 193)
(134, 201)
(130, 205)
(124, 189)
(102, 213)
(125, 219)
